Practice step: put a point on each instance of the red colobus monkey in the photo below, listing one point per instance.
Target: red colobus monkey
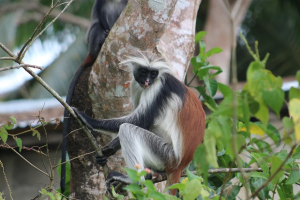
(166, 125)
(104, 15)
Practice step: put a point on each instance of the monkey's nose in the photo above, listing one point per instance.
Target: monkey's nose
(146, 82)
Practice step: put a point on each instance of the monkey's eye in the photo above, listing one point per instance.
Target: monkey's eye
(143, 72)
(154, 74)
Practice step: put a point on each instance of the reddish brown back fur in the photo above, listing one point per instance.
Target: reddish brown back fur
(192, 123)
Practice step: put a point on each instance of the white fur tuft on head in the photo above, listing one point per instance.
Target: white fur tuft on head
(147, 59)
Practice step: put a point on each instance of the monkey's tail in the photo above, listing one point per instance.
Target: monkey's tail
(88, 61)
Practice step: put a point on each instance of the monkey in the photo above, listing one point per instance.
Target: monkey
(165, 127)
(104, 15)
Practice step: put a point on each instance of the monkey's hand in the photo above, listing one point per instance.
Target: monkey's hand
(83, 117)
(108, 151)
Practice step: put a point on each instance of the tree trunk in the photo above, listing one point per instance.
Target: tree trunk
(218, 28)
(164, 27)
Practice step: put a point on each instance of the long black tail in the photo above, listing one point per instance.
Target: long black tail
(89, 61)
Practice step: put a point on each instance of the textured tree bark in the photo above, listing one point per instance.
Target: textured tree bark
(218, 28)
(103, 90)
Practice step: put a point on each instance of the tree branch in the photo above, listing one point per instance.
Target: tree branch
(22, 65)
(28, 6)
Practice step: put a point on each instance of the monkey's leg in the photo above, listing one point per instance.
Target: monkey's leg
(143, 147)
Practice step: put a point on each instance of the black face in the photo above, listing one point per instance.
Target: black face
(145, 76)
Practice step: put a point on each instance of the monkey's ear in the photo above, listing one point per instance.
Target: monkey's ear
(127, 65)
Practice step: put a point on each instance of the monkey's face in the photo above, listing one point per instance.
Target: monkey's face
(145, 76)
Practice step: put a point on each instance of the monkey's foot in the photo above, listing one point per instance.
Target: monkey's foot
(101, 160)
(115, 178)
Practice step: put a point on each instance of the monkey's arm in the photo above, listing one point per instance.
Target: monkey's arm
(137, 117)
(112, 125)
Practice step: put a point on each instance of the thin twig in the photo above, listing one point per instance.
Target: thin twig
(7, 58)
(274, 190)
(48, 155)
(7, 50)
(40, 33)
(74, 159)
(27, 148)
(29, 41)
(274, 174)
(6, 180)
(28, 161)
(163, 177)
(22, 65)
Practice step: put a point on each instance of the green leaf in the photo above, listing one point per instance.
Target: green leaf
(294, 110)
(275, 163)
(192, 189)
(150, 186)
(3, 134)
(262, 114)
(217, 198)
(157, 196)
(192, 176)
(8, 126)
(296, 154)
(68, 175)
(206, 67)
(262, 145)
(283, 155)
(285, 191)
(274, 134)
(256, 183)
(202, 48)
(179, 186)
(201, 162)
(294, 175)
(258, 175)
(210, 146)
(199, 36)
(298, 77)
(19, 143)
(234, 191)
(225, 90)
(208, 99)
(211, 85)
(294, 93)
(212, 51)
(202, 73)
(239, 143)
(35, 132)
(288, 123)
(132, 174)
(13, 120)
(262, 163)
(269, 95)
(133, 187)
(225, 124)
